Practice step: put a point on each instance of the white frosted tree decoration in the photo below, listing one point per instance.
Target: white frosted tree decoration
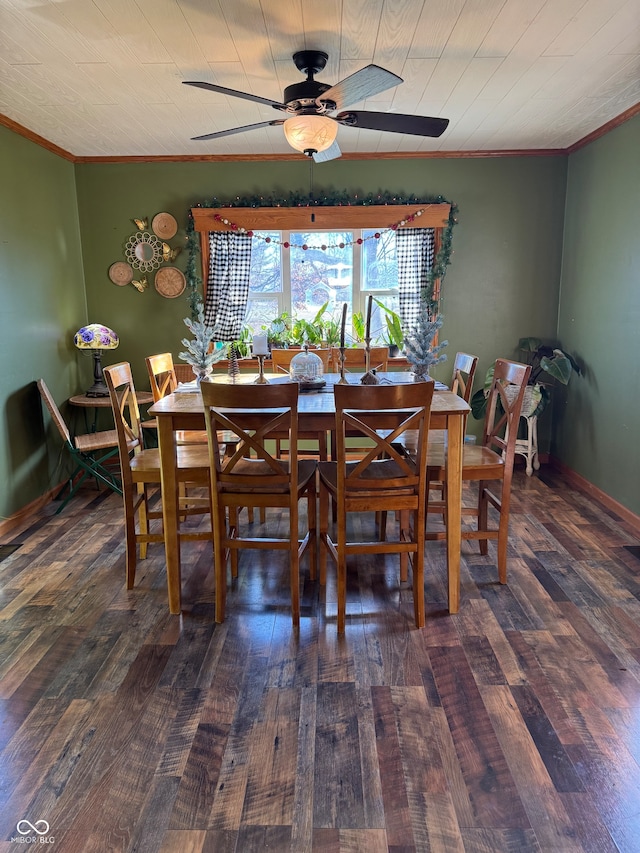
(197, 353)
(419, 348)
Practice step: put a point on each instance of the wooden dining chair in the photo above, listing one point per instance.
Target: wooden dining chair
(163, 381)
(383, 480)
(355, 358)
(490, 461)
(464, 371)
(140, 472)
(89, 452)
(252, 476)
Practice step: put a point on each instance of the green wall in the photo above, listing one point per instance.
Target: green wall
(43, 303)
(503, 282)
(64, 226)
(598, 424)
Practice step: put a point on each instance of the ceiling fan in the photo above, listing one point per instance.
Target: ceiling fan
(309, 127)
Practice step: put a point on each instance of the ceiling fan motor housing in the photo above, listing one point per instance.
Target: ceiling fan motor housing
(304, 93)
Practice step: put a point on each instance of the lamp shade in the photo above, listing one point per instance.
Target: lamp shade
(310, 133)
(95, 336)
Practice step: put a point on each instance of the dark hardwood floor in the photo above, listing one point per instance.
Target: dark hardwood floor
(511, 726)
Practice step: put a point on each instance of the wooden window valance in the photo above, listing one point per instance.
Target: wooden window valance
(320, 218)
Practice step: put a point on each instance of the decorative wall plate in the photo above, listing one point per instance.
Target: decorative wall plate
(120, 273)
(164, 225)
(170, 282)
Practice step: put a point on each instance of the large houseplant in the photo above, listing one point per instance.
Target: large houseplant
(549, 364)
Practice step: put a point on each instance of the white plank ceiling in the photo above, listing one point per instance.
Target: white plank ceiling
(102, 78)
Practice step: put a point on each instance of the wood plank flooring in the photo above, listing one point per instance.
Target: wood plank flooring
(513, 725)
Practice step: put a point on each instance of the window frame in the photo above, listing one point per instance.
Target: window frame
(321, 218)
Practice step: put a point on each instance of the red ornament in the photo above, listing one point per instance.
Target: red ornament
(324, 248)
(304, 247)
(250, 233)
(359, 241)
(341, 245)
(286, 244)
(234, 227)
(377, 235)
(267, 239)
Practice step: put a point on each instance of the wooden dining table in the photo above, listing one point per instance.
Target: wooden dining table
(316, 412)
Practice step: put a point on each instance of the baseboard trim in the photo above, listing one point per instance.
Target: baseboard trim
(579, 482)
(18, 518)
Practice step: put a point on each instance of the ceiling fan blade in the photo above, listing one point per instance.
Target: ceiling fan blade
(220, 133)
(394, 122)
(234, 93)
(330, 153)
(369, 81)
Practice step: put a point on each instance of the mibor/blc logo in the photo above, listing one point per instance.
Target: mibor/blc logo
(33, 833)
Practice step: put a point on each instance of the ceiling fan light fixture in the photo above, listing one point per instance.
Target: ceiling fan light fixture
(310, 133)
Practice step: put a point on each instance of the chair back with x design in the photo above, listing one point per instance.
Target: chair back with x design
(250, 475)
(383, 479)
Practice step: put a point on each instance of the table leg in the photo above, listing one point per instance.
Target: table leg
(455, 439)
(169, 479)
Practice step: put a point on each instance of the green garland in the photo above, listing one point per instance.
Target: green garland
(328, 199)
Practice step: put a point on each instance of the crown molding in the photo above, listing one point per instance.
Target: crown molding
(295, 156)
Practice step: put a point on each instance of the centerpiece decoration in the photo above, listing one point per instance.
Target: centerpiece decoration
(199, 353)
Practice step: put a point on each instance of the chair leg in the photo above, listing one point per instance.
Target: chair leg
(313, 534)
(220, 561)
(143, 520)
(503, 532)
(131, 545)
(323, 533)
(233, 532)
(483, 517)
(418, 574)
(342, 572)
(294, 578)
(405, 533)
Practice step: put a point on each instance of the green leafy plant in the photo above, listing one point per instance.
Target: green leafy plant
(358, 327)
(394, 336)
(309, 331)
(544, 359)
(331, 332)
(242, 345)
(279, 331)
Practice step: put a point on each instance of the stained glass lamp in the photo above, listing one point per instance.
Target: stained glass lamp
(96, 338)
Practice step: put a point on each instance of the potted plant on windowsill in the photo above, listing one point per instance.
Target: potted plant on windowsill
(393, 336)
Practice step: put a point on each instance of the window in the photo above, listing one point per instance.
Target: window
(373, 260)
(334, 268)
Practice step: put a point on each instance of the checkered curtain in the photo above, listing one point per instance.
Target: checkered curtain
(228, 283)
(415, 252)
